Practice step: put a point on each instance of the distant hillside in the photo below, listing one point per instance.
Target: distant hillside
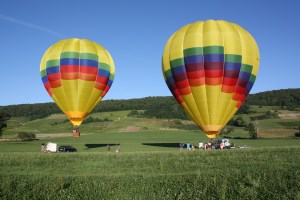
(286, 98)
(159, 107)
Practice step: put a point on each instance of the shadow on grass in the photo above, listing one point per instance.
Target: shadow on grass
(91, 146)
(168, 145)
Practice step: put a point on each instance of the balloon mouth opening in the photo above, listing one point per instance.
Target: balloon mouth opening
(212, 134)
(76, 121)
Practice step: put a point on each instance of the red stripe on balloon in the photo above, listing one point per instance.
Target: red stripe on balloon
(55, 84)
(102, 79)
(195, 74)
(88, 70)
(229, 81)
(53, 77)
(213, 81)
(213, 73)
(197, 82)
(228, 89)
(69, 76)
(87, 77)
(69, 68)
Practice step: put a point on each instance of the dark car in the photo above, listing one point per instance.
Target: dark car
(67, 149)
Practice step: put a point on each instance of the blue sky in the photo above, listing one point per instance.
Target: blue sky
(135, 33)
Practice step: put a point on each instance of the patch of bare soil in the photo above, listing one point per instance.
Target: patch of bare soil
(289, 115)
(53, 135)
(131, 129)
(9, 139)
(276, 133)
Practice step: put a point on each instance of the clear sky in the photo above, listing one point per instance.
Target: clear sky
(135, 33)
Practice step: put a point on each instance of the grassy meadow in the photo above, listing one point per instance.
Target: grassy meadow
(150, 165)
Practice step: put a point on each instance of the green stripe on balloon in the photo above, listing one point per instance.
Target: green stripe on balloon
(51, 63)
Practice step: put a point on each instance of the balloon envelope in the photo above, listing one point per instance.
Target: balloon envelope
(210, 68)
(77, 74)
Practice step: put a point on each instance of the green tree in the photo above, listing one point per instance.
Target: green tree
(3, 119)
(252, 131)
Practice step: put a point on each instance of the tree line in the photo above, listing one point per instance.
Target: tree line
(159, 107)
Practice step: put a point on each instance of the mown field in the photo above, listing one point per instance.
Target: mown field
(262, 173)
(150, 165)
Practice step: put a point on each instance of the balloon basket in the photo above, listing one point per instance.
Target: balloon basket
(76, 134)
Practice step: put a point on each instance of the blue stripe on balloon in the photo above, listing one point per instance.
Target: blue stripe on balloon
(69, 61)
(193, 59)
(90, 63)
(52, 70)
(244, 75)
(232, 66)
(103, 73)
(109, 82)
(170, 80)
(45, 79)
(178, 70)
(213, 57)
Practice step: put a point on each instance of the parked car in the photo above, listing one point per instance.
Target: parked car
(67, 149)
(226, 142)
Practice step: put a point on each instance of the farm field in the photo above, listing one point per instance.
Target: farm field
(150, 165)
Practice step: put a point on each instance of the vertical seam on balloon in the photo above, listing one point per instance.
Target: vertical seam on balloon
(204, 71)
(85, 108)
(63, 89)
(201, 118)
(193, 117)
(240, 39)
(220, 93)
(78, 77)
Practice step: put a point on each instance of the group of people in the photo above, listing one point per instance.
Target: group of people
(202, 146)
(118, 148)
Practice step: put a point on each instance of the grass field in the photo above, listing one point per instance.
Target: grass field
(150, 165)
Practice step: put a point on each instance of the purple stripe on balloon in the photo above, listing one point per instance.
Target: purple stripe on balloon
(193, 59)
(213, 57)
(232, 66)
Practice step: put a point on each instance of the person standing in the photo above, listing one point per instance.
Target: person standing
(188, 146)
(118, 148)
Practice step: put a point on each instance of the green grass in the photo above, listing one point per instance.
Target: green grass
(150, 165)
(265, 173)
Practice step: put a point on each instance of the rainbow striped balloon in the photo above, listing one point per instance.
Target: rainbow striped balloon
(77, 74)
(210, 68)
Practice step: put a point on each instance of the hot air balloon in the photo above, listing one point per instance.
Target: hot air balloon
(77, 73)
(210, 67)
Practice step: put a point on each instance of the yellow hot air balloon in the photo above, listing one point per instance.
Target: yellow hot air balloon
(77, 73)
(210, 67)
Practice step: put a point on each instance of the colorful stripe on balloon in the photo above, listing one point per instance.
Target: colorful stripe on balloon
(77, 66)
(210, 66)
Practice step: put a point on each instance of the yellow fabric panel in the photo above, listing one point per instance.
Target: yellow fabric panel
(87, 46)
(194, 36)
(103, 55)
(59, 98)
(176, 48)
(43, 61)
(212, 35)
(199, 94)
(71, 45)
(85, 89)
(228, 114)
(55, 50)
(187, 109)
(247, 53)
(232, 43)
(191, 104)
(70, 88)
(224, 101)
(111, 63)
(212, 95)
(99, 99)
(93, 100)
(166, 59)
(250, 49)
